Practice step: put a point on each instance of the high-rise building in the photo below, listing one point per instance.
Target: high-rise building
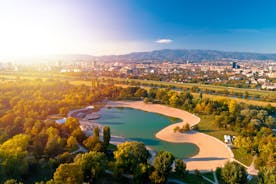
(234, 64)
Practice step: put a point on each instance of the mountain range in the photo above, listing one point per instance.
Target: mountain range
(173, 55)
(195, 55)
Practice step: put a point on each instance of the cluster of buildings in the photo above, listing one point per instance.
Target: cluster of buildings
(261, 73)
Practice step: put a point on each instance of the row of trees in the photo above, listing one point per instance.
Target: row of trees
(271, 97)
(130, 159)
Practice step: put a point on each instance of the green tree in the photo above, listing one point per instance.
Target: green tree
(141, 173)
(267, 175)
(233, 173)
(180, 168)
(68, 173)
(157, 178)
(54, 145)
(93, 164)
(163, 164)
(129, 155)
(96, 133)
(106, 135)
(13, 157)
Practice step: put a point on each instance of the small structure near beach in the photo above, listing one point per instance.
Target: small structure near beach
(229, 139)
(61, 121)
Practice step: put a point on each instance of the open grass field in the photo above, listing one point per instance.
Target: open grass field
(207, 126)
(242, 156)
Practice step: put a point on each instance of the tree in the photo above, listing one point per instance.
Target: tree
(54, 145)
(12, 181)
(163, 163)
(200, 95)
(91, 141)
(157, 178)
(175, 100)
(63, 111)
(186, 127)
(141, 93)
(68, 173)
(180, 168)
(141, 173)
(13, 157)
(267, 175)
(96, 133)
(93, 164)
(129, 155)
(233, 173)
(232, 106)
(72, 143)
(71, 124)
(106, 135)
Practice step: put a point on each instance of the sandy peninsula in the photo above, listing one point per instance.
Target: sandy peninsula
(212, 152)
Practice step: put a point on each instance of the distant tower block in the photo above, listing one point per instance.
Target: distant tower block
(234, 64)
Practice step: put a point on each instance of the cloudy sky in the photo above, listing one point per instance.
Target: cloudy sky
(99, 27)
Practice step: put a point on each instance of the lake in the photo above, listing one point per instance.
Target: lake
(142, 126)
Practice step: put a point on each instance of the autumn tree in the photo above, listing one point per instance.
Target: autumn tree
(233, 173)
(72, 143)
(129, 155)
(267, 175)
(68, 173)
(92, 164)
(13, 157)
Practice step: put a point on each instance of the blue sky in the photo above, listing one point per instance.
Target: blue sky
(97, 27)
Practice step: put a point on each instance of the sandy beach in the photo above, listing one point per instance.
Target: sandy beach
(212, 152)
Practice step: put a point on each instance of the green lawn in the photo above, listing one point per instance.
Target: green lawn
(242, 156)
(207, 126)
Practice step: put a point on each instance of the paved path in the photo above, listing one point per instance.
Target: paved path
(215, 177)
(80, 150)
(207, 179)
(251, 169)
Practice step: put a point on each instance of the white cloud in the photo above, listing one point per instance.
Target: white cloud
(163, 41)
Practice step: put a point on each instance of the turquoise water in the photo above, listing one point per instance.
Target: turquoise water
(142, 126)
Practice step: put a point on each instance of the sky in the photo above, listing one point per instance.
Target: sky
(103, 27)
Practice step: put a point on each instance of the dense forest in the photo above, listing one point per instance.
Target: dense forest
(36, 149)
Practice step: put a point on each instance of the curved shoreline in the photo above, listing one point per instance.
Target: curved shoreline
(212, 152)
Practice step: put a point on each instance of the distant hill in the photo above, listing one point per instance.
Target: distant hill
(196, 55)
(174, 55)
